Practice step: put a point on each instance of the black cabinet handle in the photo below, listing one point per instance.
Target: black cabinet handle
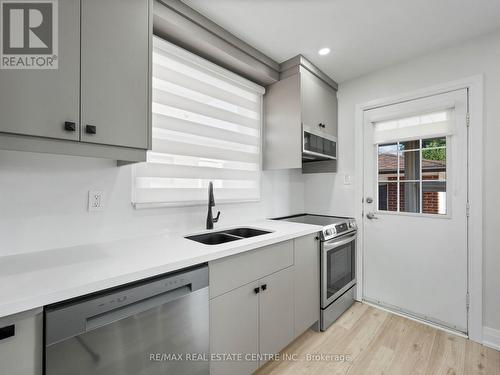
(264, 287)
(69, 126)
(90, 129)
(321, 125)
(8, 331)
(256, 290)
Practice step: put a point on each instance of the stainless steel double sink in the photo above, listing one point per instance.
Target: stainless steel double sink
(235, 234)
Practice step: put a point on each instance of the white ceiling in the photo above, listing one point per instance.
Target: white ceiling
(363, 35)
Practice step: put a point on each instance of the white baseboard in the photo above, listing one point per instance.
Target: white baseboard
(491, 338)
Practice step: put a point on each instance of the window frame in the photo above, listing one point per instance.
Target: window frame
(448, 180)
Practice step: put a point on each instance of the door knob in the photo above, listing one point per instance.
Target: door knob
(371, 216)
(369, 200)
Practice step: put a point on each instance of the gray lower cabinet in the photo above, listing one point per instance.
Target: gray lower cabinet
(115, 72)
(39, 102)
(234, 329)
(276, 315)
(254, 319)
(21, 345)
(261, 301)
(251, 307)
(306, 282)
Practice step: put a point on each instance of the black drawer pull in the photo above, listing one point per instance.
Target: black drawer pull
(264, 287)
(69, 126)
(90, 129)
(256, 290)
(6, 332)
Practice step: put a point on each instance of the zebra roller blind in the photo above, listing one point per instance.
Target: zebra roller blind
(206, 127)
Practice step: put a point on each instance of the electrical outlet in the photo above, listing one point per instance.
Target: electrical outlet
(96, 200)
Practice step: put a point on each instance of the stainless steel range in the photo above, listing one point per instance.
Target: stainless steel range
(338, 263)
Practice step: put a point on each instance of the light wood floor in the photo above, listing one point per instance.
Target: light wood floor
(378, 342)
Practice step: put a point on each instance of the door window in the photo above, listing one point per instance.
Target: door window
(412, 176)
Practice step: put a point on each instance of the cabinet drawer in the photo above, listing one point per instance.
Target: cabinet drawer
(21, 344)
(229, 273)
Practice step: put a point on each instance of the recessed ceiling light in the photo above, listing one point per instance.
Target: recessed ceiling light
(324, 51)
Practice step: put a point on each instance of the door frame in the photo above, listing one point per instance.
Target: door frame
(475, 85)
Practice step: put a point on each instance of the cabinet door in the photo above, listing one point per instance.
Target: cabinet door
(234, 322)
(115, 72)
(319, 103)
(276, 325)
(306, 283)
(21, 347)
(39, 102)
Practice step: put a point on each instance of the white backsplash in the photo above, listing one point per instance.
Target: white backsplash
(43, 203)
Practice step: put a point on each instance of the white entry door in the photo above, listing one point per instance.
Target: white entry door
(415, 208)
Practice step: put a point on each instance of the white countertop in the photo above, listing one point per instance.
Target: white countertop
(32, 280)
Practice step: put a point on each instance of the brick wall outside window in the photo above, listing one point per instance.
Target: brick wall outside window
(430, 203)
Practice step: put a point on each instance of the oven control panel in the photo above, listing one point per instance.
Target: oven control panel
(341, 228)
(349, 225)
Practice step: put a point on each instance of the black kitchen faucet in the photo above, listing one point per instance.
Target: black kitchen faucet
(211, 203)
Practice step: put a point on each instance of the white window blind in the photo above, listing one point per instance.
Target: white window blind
(436, 124)
(206, 127)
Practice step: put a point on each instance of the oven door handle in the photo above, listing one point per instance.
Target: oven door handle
(336, 243)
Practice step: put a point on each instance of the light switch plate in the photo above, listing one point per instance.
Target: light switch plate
(347, 179)
(96, 200)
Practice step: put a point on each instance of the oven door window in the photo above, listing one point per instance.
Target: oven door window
(340, 269)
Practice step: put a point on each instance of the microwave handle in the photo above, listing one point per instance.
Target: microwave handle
(332, 244)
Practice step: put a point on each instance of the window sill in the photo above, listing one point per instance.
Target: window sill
(148, 205)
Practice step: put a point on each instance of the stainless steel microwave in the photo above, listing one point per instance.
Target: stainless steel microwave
(317, 145)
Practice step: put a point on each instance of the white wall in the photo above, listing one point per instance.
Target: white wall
(43, 203)
(478, 56)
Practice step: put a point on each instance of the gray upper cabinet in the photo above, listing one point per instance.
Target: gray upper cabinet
(306, 282)
(39, 102)
(318, 103)
(303, 99)
(97, 103)
(115, 72)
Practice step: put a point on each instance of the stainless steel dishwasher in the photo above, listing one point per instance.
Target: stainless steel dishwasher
(159, 326)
